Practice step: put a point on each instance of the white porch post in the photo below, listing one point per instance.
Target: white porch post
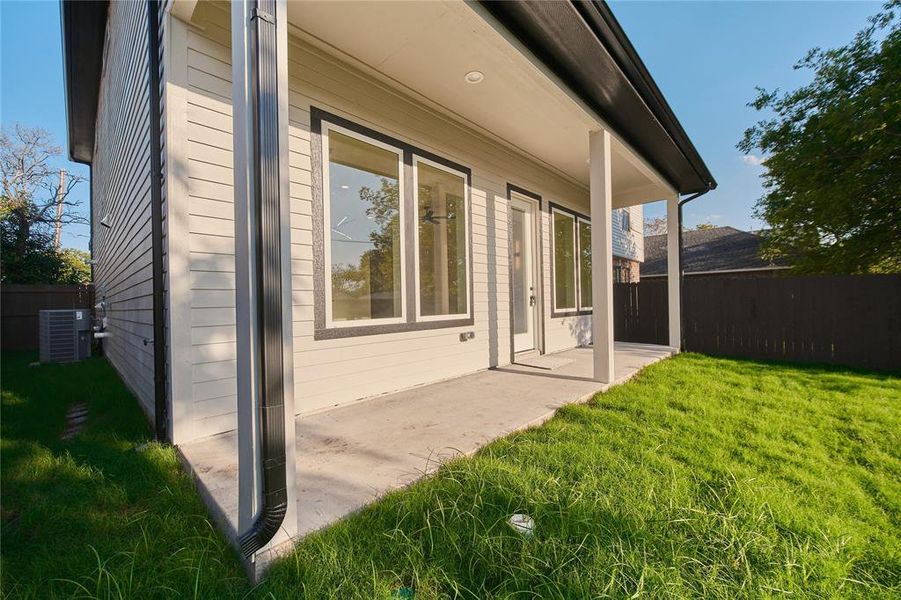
(601, 192)
(673, 268)
(248, 336)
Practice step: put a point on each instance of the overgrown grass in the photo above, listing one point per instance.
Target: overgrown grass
(93, 517)
(703, 477)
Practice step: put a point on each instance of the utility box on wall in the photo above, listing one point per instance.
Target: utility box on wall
(65, 335)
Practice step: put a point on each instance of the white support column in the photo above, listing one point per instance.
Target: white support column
(673, 268)
(601, 191)
(248, 336)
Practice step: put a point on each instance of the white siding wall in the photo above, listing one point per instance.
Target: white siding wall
(121, 196)
(331, 372)
(629, 243)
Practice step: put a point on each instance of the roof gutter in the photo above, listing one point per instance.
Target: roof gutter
(583, 45)
(156, 220)
(682, 269)
(266, 203)
(83, 25)
(618, 44)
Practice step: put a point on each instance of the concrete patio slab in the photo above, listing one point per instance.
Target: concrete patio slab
(351, 455)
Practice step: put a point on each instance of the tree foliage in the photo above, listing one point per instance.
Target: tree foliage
(832, 153)
(30, 192)
(703, 227)
(654, 226)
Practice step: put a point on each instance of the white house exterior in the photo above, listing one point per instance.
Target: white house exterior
(453, 193)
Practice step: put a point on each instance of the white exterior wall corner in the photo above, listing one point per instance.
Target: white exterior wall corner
(123, 272)
(175, 184)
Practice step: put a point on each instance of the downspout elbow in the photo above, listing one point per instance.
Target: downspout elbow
(267, 524)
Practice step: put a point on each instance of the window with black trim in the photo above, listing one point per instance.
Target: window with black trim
(442, 279)
(564, 261)
(584, 264)
(571, 234)
(364, 237)
(394, 225)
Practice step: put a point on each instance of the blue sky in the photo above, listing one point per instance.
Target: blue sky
(705, 56)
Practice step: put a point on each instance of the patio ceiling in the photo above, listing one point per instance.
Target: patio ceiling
(427, 48)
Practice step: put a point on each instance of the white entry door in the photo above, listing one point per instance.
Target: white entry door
(525, 290)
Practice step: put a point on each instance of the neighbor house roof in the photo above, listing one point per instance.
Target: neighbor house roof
(579, 41)
(717, 249)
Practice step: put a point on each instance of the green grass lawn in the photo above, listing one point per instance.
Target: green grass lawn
(702, 477)
(92, 517)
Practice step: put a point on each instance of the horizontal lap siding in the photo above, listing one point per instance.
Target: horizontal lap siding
(332, 372)
(210, 226)
(123, 273)
(629, 243)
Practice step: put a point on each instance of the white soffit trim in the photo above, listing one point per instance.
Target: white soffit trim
(627, 151)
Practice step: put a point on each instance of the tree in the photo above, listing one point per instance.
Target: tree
(30, 192)
(832, 186)
(703, 226)
(654, 226)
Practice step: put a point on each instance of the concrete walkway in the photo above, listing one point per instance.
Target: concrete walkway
(349, 456)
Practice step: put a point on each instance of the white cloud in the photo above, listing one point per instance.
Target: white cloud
(753, 160)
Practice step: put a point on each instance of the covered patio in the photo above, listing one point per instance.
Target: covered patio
(349, 456)
(589, 136)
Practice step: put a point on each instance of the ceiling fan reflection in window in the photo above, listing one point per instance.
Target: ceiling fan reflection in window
(431, 217)
(337, 227)
(452, 201)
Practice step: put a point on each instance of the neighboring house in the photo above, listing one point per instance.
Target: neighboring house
(398, 193)
(716, 250)
(628, 244)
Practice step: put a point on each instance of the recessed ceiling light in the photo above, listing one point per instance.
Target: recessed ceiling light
(474, 77)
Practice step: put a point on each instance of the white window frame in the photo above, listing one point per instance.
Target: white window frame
(327, 128)
(468, 246)
(575, 282)
(578, 262)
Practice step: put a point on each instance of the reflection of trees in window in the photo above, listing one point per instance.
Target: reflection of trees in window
(371, 289)
(442, 242)
(584, 264)
(564, 261)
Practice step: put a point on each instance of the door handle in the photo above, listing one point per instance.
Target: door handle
(532, 300)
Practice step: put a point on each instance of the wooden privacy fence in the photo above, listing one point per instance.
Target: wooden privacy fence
(852, 320)
(19, 306)
(640, 312)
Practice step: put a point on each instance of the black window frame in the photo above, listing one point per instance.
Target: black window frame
(576, 217)
(320, 277)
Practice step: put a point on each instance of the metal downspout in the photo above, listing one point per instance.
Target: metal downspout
(156, 221)
(266, 203)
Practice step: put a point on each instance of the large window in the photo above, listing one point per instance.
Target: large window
(441, 243)
(364, 229)
(584, 264)
(394, 257)
(564, 261)
(572, 262)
